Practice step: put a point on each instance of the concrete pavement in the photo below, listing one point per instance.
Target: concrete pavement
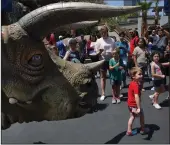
(108, 125)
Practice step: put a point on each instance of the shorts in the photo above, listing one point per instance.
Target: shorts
(158, 83)
(115, 82)
(105, 66)
(144, 68)
(131, 109)
(130, 63)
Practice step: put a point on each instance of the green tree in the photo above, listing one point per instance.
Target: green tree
(145, 7)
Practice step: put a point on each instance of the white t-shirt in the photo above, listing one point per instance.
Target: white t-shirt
(92, 45)
(108, 45)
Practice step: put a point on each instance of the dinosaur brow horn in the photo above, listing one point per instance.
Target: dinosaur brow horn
(42, 21)
(95, 66)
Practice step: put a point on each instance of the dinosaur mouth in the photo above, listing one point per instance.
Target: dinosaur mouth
(85, 105)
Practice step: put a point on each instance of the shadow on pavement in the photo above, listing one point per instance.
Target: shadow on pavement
(39, 142)
(152, 128)
(165, 103)
(148, 88)
(124, 98)
(117, 139)
(99, 107)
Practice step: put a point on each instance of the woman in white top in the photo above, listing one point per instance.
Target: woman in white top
(104, 47)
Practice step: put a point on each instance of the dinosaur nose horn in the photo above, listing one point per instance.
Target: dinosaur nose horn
(95, 66)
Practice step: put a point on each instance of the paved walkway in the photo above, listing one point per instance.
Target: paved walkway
(108, 125)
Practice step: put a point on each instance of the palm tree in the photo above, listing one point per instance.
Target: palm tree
(156, 12)
(145, 7)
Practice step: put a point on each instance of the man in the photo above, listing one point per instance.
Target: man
(155, 39)
(124, 49)
(82, 48)
(61, 47)
(162, 41)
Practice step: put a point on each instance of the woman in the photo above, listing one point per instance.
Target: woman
(91, 44)
(104, 47)
(124, 49)
(140, 57)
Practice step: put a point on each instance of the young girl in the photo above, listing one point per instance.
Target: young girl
(134, 101)
(115, 67)
(140, 57)
(158, 78)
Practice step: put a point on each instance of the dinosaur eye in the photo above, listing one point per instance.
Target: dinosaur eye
(35, 60)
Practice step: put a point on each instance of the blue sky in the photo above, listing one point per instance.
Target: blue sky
(120, 2)
(114, 2)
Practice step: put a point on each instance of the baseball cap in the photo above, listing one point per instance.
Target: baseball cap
(60, 37)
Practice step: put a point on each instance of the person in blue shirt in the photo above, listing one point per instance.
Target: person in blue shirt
(124, 49)
(61, 47)
(72, 54)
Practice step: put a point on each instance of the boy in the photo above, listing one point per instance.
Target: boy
(134, 101)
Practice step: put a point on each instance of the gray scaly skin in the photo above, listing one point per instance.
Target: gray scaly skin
(36, 86)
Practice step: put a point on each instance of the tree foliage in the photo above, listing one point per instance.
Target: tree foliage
(145, 7)
(156, 12)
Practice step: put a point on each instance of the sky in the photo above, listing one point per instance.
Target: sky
(114, 2)
(120, 3)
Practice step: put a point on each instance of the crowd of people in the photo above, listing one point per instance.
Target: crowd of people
(142, 56)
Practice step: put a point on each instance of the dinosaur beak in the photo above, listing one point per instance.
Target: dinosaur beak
(42, 21)
(95, 66)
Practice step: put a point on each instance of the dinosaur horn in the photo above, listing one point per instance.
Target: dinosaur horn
(95, 66)
(77, 25)
(44, 20)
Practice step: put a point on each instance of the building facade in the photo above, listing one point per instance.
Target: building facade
(130, 2)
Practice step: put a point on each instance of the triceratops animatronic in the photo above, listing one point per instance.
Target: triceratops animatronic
(35, 88)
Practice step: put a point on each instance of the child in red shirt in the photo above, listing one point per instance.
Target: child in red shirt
(134, 99)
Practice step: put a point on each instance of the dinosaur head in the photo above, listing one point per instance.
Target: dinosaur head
(49, 88)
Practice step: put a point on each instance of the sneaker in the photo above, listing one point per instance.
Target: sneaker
(153, 88)
(102, 98)
(134, 132)
(143, 90)
(157, 106)
(144, 131)
(167, 98)
(120, 96)
(113, 101)
(151, 97)
(118, 101)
